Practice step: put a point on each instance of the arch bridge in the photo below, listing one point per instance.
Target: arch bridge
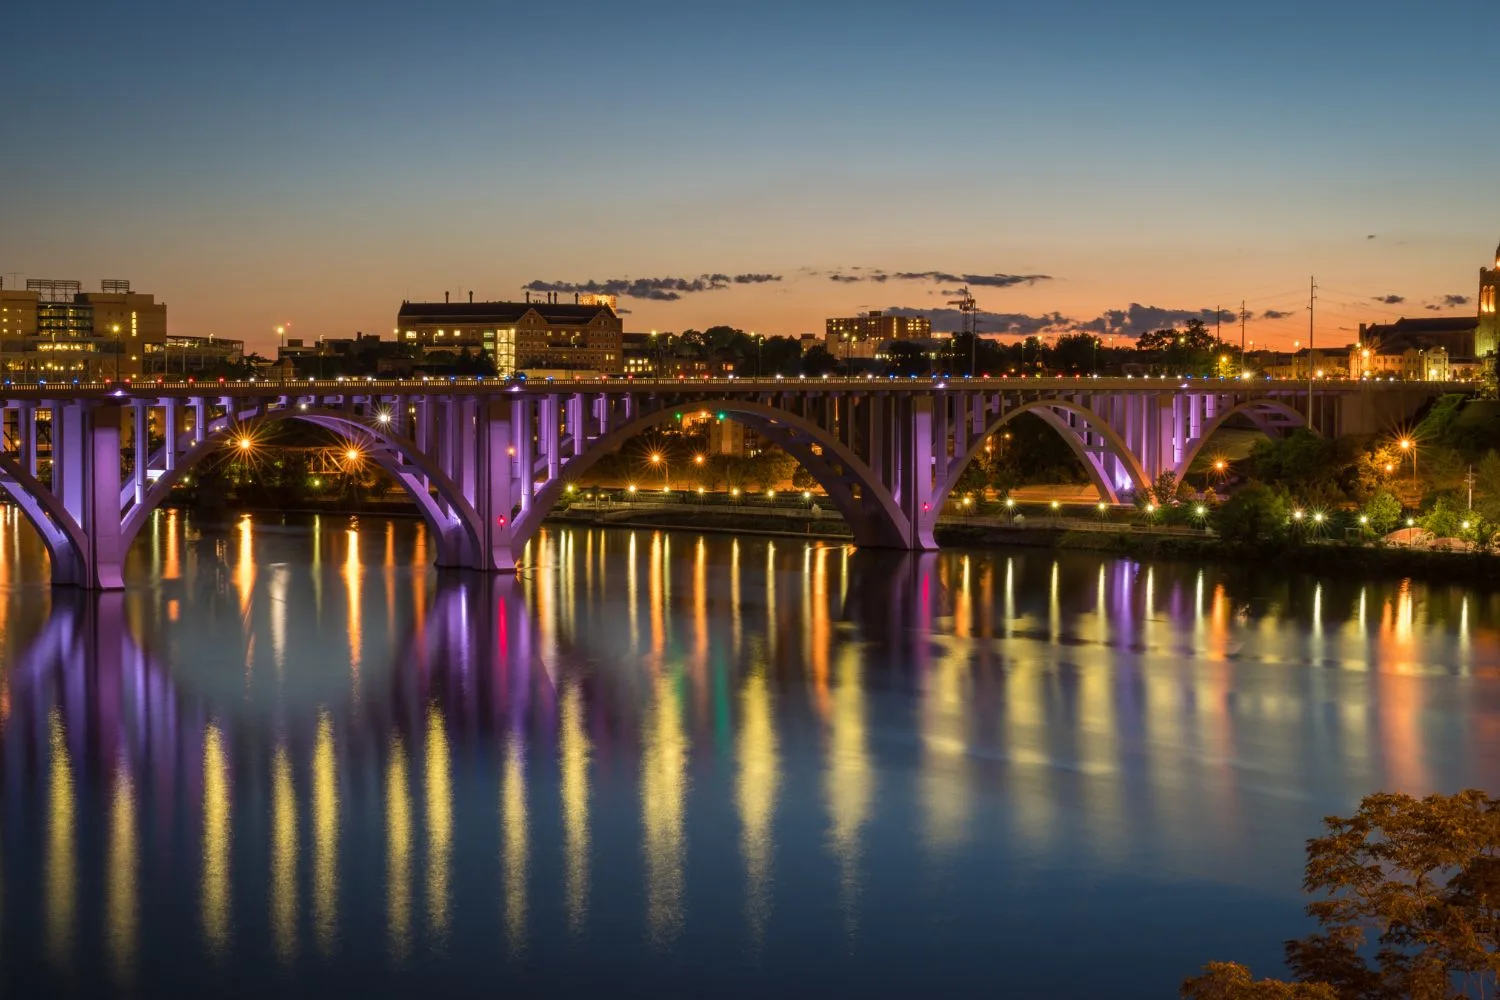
(485, 460)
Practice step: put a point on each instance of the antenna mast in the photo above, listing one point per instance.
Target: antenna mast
(968, 307)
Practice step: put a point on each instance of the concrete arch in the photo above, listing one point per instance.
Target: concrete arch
(456, 530)
(873, 516)
(64, 539)
(1259, 411)
(1047, 409)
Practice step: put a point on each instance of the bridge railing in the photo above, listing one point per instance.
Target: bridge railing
(730, 382)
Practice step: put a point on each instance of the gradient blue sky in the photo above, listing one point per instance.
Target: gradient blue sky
(318, 162)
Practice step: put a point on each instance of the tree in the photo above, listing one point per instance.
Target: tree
(1375, 470)
(1166, 491)
(1312, 467)
(1232, 981)
(818, 361)
(1442, 521)
(1190, 349)
(1256, 516)
(1487, 485)
(1409, 906)
(1383, 512)
(1419, 876)
(1075, 352)
(904, 357)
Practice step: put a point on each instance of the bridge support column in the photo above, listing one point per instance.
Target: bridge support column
(87, 454)
(170, 428)
(496, 499)
(141, 432)
(915, 466)
(28, 437)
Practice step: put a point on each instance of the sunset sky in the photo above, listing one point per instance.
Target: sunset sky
(319, 162)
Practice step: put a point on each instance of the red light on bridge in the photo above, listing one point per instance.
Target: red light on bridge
(500, 520)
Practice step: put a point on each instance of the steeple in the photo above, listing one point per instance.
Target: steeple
(1497, 256)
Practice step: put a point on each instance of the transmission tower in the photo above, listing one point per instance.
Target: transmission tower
(970, 310)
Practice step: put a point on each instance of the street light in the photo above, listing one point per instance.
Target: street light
(1407, 444)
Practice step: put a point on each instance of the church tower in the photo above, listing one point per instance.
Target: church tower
(1487, 333)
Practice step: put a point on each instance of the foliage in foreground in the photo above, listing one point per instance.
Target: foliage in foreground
(1409, 907)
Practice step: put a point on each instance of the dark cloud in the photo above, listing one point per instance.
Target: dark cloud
(951, 320)
(973, 280)
(939, 277)
(655, 289)
(1370, 237)
(1390, 300)
(1137, 319)
(1456, 300)
(1433, 308)
(1132, 321)
(1274, 314)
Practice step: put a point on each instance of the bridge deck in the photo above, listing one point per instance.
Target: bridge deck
(143, 389)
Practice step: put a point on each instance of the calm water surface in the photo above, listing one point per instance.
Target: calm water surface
(292, 758)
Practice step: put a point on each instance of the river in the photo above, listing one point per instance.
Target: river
(294, 759)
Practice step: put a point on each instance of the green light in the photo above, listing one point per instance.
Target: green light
(721, 416)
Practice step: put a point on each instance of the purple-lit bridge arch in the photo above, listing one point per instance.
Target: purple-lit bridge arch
(486, 461)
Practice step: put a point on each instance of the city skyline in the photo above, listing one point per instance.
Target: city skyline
(318, 167)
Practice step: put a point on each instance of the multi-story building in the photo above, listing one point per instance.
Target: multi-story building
(518, 336)
(17, 312)
(1437, 348)
(54, 327)
(1397, 349)
(876, 326)
(191, 355)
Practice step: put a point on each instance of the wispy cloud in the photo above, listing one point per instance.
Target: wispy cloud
(1390, 300)
(1275, 314)
(654, 289)
(878, 276)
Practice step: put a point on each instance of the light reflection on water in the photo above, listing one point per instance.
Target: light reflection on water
(713, 762)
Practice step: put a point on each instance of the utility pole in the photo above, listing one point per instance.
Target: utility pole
(1312, 298)
(1243, 317)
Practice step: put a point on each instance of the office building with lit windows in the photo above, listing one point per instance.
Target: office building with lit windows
(878, 327)
(53, 327)
(544, 335)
